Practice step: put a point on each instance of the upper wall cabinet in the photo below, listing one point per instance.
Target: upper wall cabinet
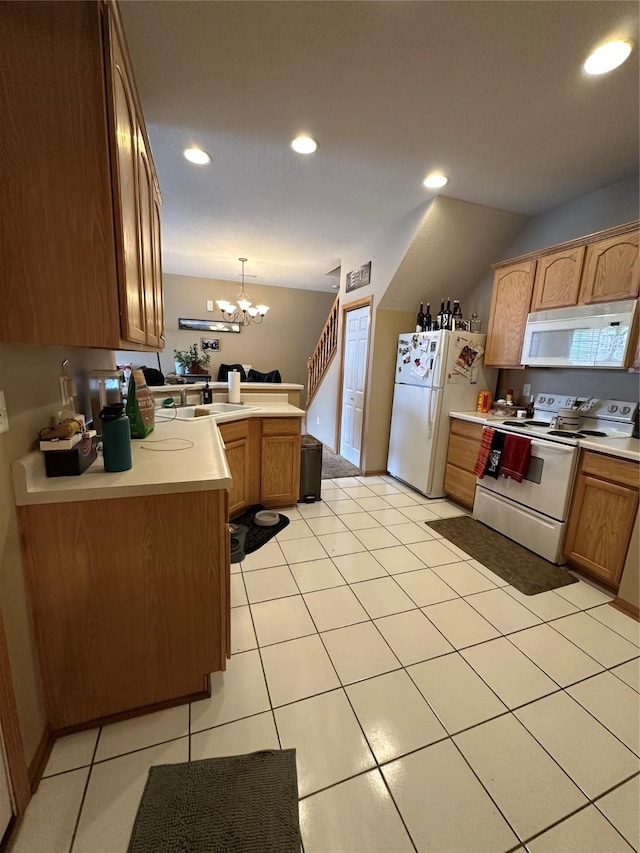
(601, 267)
(558, 279)
(512, 290)
(611, 270)
(80, 205)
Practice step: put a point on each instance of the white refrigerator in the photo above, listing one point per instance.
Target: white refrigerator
(436, 373)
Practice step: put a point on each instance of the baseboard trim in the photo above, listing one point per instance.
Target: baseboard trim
(627, 607)
(205, 693)
(40, 758)
(374, 473)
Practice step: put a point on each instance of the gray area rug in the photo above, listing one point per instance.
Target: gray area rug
(529, 573)
(334, 465)
(236, 804)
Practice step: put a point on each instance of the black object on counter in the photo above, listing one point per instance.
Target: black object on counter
(70, 463)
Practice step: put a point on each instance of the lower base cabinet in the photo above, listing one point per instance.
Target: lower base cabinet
(464, 444)
(263, 455)
(130, 601)
(603, 511)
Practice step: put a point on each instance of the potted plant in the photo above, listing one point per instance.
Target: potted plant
(191, 360)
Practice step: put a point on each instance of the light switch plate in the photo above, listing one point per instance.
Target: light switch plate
(209, 304)
(526, 390)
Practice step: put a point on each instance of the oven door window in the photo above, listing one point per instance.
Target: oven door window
(536, 467)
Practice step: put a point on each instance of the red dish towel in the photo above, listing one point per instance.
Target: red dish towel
(515, 457)
(483, 453)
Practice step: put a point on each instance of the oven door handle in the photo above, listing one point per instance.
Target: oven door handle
(542, 443)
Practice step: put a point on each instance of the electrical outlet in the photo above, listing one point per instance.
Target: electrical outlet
(526, 390)
(4, 416)
(209, 304)
(317, 421)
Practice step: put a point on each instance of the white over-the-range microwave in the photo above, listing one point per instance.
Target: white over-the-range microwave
(580, 336)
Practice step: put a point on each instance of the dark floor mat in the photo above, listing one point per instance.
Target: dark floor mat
(529, 573)
(236, 804)
(256, 534)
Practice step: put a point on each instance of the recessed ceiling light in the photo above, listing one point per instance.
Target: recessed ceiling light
(435, 181)
(197, 155)
(608, 56)
(304, 145)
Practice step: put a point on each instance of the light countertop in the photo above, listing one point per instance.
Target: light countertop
(178, 456)
(624, 448)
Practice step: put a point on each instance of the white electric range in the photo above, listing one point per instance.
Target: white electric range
(534, 512)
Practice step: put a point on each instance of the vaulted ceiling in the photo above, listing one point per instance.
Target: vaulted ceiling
(491, 93)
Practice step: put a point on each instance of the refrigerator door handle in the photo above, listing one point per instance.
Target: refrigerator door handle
(431, 412)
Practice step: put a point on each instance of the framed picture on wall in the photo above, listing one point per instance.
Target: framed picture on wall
(208, 325)
(211, 344)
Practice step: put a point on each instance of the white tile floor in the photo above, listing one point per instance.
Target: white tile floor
(433, 707)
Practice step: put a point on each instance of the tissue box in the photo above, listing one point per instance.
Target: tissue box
(69, 463)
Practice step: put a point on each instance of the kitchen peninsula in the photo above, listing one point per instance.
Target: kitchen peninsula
(128, 573)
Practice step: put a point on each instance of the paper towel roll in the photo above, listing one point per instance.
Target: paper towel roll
(233, 380)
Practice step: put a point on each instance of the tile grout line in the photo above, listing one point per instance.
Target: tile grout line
(84, 793)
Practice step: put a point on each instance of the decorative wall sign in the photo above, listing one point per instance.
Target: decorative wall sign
(359, 277)
(208, 325)
(212, 344)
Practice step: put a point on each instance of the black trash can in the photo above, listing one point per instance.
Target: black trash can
(310, 469)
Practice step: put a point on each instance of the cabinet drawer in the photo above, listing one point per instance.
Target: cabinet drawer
(621, 471)
(462, 452)
(460, 485)
(466, 429)
(234, 431)
(281, 426)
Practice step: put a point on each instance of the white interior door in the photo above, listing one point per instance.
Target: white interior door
(353, 382)
(6, 805)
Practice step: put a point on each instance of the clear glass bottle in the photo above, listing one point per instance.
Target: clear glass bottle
(475, 323)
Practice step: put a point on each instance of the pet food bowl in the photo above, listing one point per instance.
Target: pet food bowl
(266, 518)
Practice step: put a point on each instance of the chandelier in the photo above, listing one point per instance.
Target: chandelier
(244, 313)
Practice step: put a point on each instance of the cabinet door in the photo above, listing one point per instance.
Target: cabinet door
(280, 474)
(558, 279)
(512, 290)
(599, 528)
(147, 215)
(238, 460)
(611, 270)
(157, 271)
(126, 193)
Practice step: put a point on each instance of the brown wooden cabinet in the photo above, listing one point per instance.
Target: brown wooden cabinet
(510, 304)
(81, 250)
(263, 455)
(611, 269)
(236, 440)
(134, 615)
(557, 279)
(603, 511)
(464, 444)
(280, 463)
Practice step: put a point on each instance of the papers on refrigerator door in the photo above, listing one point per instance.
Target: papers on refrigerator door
(422, 354)
(468, 357)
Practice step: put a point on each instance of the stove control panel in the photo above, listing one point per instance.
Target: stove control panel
(614, 410)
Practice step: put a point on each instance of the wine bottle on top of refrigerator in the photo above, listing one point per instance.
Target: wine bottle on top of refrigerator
(440, 318)
(427, 319)
(420, 319)
(447, 315)
(457, 315)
